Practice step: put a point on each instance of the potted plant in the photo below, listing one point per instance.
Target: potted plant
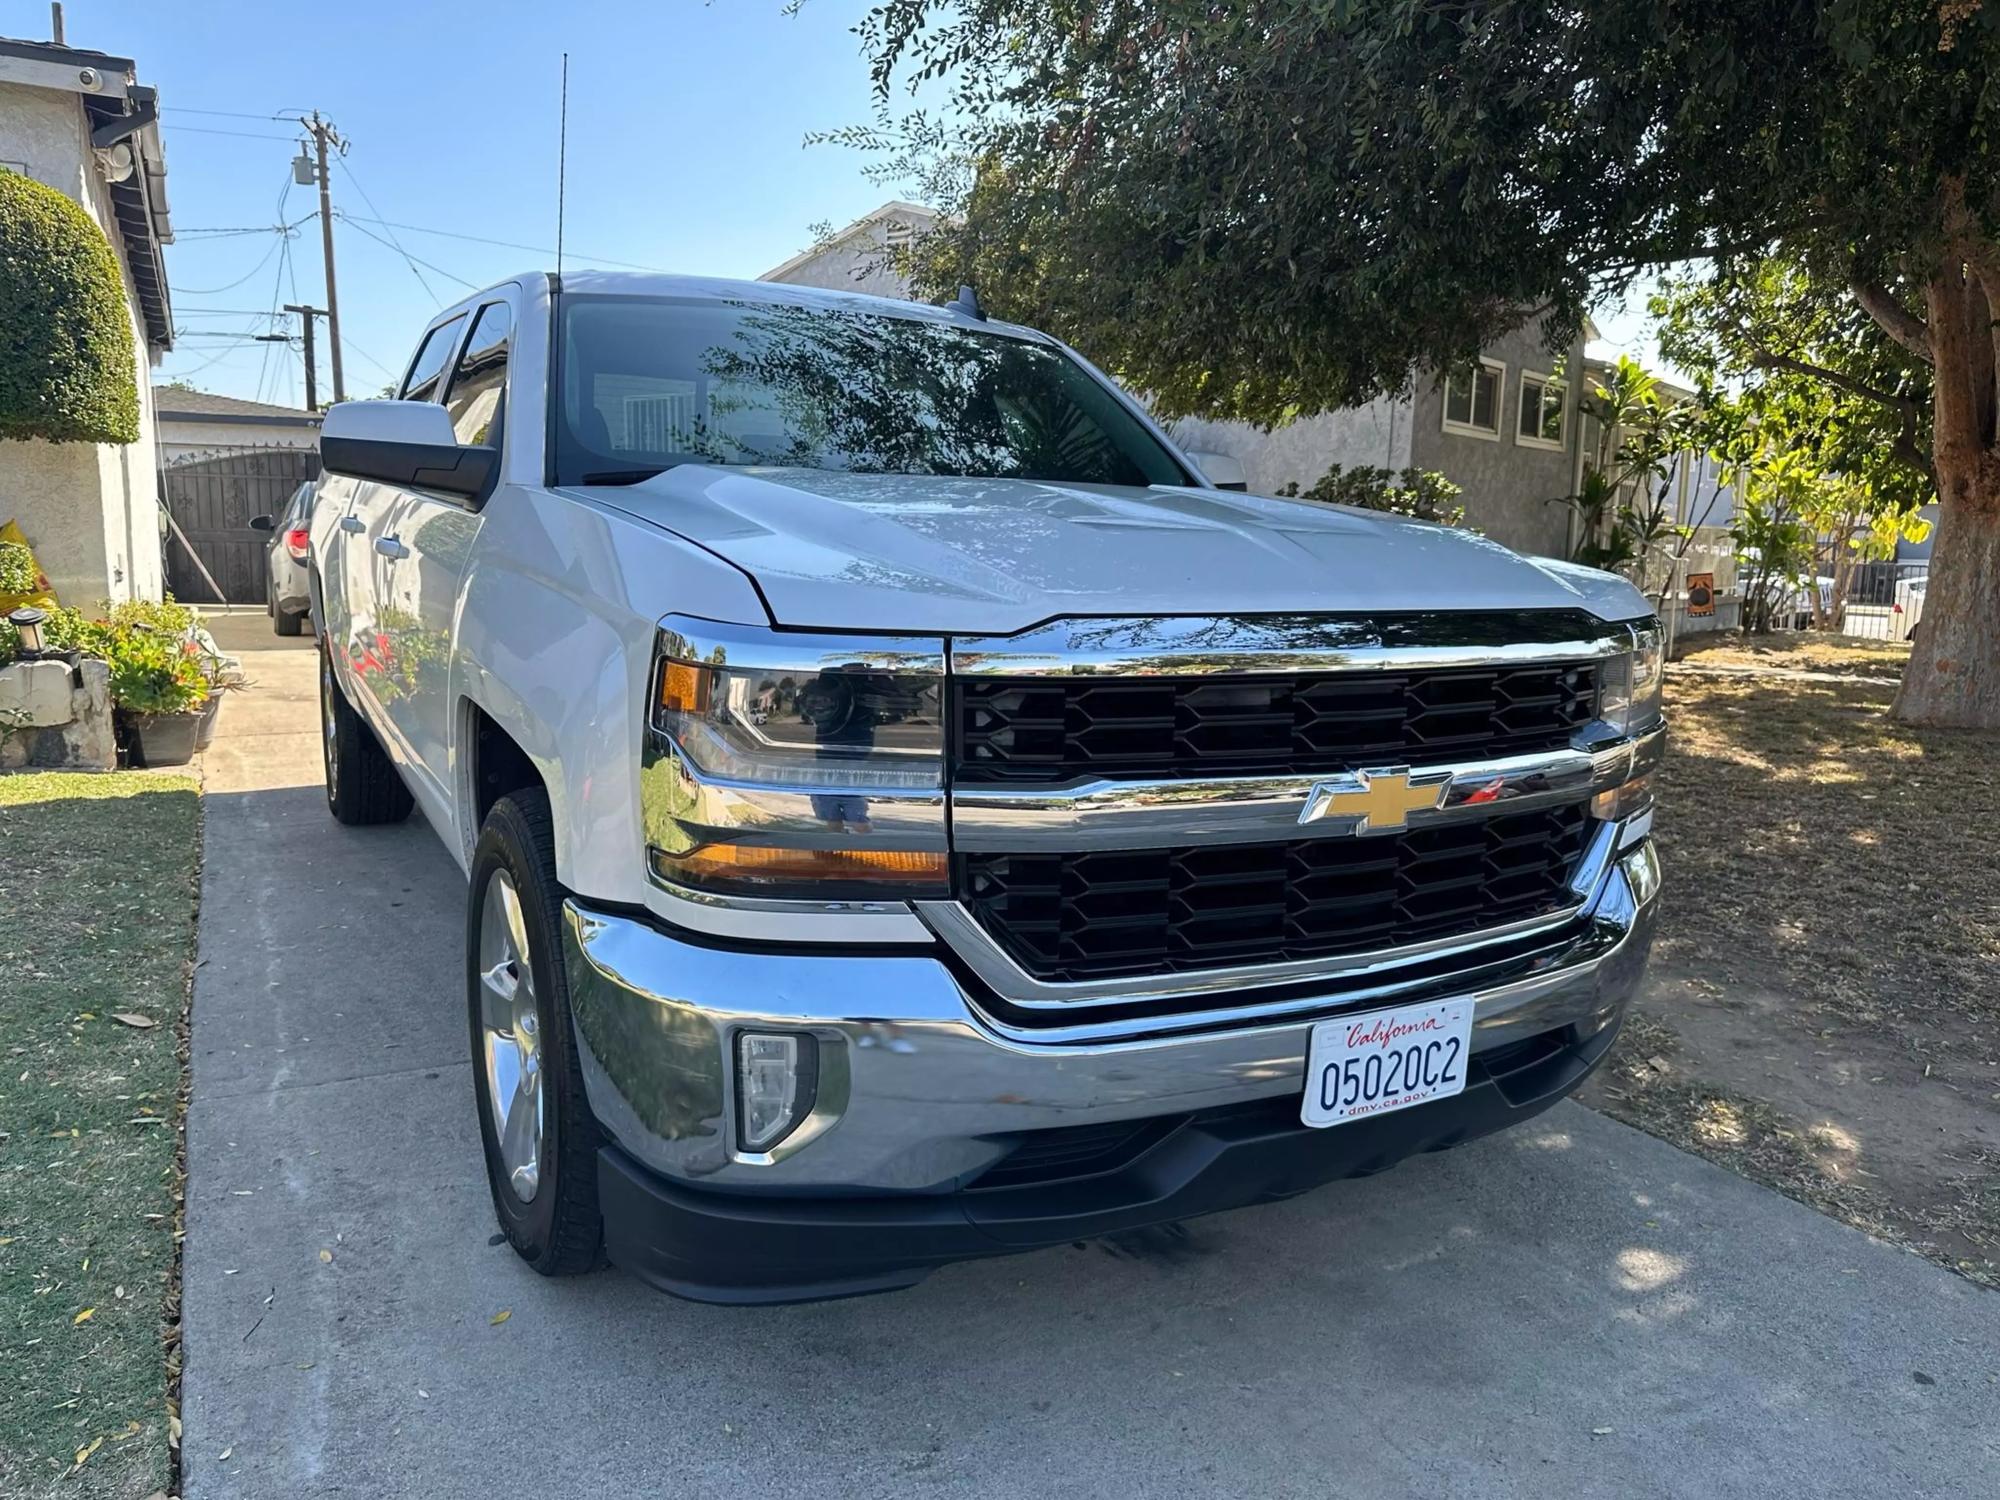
(160, 691)
(181, 624)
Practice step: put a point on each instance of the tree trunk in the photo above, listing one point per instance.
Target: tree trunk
(1954, 672)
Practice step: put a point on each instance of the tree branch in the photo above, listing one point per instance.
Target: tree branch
(1896, 320)
(1765, 359)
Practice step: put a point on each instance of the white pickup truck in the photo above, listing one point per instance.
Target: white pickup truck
(912, 814)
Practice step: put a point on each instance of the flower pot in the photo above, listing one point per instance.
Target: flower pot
(211, 712)
(163, 739)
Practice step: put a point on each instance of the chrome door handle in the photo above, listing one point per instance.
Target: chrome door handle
(389, 546)
(351, 523)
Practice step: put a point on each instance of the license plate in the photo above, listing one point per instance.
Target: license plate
(1359, 1066)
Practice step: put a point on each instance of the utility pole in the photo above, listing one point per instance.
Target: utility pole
(325, 136)
(306, 314)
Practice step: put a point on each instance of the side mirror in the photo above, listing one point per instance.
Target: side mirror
(1221, 470)
(263, 523)
(406, 443)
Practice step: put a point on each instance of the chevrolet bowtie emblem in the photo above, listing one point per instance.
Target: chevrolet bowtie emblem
(1381, 801)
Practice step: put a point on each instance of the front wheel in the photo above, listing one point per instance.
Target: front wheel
(540, 1138)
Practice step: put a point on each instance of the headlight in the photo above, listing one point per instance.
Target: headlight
(1633, 683)
(799, 767)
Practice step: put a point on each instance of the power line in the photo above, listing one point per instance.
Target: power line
(227, 114)
(207, 363)
(414, 262)
(511, 245)
(218, 312)
(212, 234)
(392, 374)
(277, 301)
(397, 244)
(186, 291)
(241, 135)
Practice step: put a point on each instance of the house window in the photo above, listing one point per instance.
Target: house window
(1472, 406)
(1540, 423)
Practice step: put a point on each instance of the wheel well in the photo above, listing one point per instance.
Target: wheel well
(499, 765)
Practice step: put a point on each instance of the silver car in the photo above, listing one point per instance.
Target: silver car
(286, 560)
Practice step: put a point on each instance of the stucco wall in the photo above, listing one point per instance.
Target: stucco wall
(1510, 487)
(1376, 435)
(89, 509)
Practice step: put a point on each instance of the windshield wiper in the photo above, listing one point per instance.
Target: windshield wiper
(620, 476)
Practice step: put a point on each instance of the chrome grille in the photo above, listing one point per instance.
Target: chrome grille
(1070, 916)
(1051, 729)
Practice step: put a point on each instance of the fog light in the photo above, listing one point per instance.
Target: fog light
(777, 1075)
(1642, 872)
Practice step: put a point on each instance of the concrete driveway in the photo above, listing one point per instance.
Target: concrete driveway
(1574, 1309)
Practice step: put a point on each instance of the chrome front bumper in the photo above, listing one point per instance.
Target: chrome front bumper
(920, 1089)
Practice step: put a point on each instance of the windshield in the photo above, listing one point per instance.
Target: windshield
(649, 383)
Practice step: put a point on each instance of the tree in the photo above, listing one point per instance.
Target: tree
(66, 358)
(1271, 209)
(1419, 494)
(1633, 515)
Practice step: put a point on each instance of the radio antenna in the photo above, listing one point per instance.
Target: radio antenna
(562, 163)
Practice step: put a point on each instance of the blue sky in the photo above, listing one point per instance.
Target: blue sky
(685, 130)
(686, 153)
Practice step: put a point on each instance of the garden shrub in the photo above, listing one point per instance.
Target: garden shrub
(67, 371)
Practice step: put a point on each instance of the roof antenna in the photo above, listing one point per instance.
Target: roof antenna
(967, 302)
(562, 164)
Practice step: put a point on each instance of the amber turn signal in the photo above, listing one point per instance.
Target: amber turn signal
(738, 866)
(684, 687)
(1622, 801)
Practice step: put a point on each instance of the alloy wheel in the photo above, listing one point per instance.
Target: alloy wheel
(510, 1036)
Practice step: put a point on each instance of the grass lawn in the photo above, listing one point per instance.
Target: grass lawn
(97, 901)
(1824, 1009)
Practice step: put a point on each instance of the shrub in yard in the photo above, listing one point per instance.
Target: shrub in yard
(63, 630)
(18, 574)
(66, 363)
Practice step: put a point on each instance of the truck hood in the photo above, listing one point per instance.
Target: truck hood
(914, 554)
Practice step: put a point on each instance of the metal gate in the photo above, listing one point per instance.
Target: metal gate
(213, 499)
(1885, 600)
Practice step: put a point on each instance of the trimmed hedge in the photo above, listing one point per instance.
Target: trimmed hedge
(67, 370)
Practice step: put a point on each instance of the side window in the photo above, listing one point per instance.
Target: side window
(481, 376)
(427, 369)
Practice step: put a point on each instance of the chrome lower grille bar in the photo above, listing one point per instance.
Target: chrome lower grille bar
(1251, 809)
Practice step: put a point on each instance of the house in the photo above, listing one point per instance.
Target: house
(195, 425)
(857, 258)
(1508, 436)
(82, 123)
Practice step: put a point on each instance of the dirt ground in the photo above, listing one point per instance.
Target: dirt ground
(1824, 1010)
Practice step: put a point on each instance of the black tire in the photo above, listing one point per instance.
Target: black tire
(559, 1230)
(362, 786)
(286, 624)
